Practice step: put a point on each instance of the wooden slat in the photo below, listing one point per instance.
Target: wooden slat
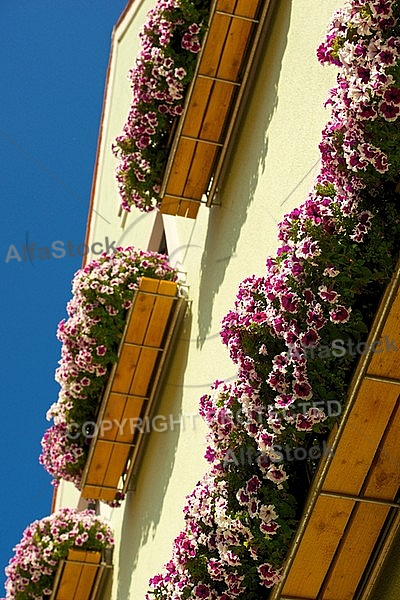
(192, 208)
(169, 205)
(247, 8)
(161, 311)
(364, 430)
(143, 373)
(318, 547)
(86, 581)
(99, 463)
(77, 579)
(118, 460)
(119, 423)
(384, 478)
(69, 581)
(121, 417)
(180, 207)
(216, 114)
(383, 483)
(235, 45)
(142, 377)
(386, 363)
(355, 551)
(127, 364)
(98, 493)
(178, 176)
(227, 5)
(197, 107)
(200, 170)
(142, 310)
(214, 47)
(188, 208)
(79, 555)
(113, 416)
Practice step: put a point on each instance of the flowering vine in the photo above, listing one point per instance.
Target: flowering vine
(242, 511)
(102, 294)
(296, 332)
(31, 571)
(363, 40)
(170, 42)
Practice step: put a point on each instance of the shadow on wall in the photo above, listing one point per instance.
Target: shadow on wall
(105, 589)
(387, 586)
(247, 162)
(143, 505)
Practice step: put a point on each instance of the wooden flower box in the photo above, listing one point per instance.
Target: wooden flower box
(352, 512)
(129, 397)
(205, 128)
(79, 576)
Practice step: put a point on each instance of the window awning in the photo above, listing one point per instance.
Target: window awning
(79, 576)
(352, 512)
(129, 397)
(205, 128)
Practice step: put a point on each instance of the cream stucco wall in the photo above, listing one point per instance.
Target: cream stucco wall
(270, 172)
(103, 218)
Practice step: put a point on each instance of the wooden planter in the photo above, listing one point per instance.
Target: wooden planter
(352, 513)
(212, 104)
(79, 576)
(129, 397)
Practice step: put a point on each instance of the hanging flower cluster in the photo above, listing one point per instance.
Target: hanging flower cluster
(31, 571)
(170, 42)
(284, 331)
(295, 332)
(102, 294)
(239, 514)
(363, 40)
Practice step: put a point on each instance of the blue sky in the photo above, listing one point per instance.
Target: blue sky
(53, 63)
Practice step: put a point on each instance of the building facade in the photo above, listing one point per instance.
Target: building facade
(268, 171)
